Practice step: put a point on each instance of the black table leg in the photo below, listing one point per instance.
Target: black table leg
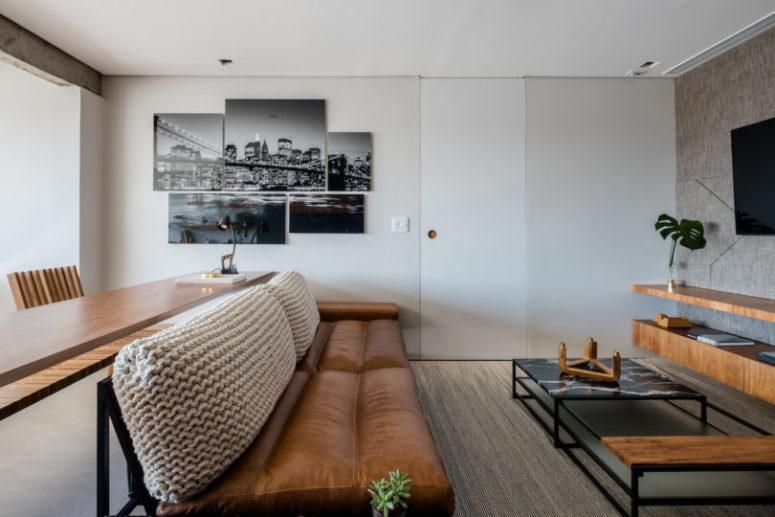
(514, 378)
(634, 497)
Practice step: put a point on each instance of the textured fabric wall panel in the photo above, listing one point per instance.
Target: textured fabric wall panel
(730, 91)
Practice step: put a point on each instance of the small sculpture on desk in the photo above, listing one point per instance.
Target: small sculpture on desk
(598, 372)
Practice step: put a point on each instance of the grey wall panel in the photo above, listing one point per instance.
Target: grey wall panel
(730, 91)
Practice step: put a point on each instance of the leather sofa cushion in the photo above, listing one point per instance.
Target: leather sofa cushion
(358, 346)
(309, 363)
(347, 429)
(293, 292)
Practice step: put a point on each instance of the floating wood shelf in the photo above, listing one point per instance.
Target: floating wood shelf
(740, 304)
(736, 366)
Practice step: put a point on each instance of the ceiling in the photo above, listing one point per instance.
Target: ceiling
(435, 38)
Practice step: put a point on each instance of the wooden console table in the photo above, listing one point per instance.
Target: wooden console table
(45, 348)
(736, 366)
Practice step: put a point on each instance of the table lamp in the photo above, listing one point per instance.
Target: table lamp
(224, 223)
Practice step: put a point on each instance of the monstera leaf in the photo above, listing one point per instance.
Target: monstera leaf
(689, 234)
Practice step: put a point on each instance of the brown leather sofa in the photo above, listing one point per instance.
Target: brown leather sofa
(350, 414)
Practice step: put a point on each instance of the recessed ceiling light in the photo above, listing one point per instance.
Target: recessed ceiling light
(225, 62)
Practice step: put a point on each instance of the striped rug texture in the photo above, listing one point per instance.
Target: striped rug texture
(502, 463)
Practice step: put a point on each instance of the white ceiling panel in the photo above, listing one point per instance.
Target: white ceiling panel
(449, 38)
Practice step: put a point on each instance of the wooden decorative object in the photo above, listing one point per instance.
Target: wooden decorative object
(665, 321)
(602, 372)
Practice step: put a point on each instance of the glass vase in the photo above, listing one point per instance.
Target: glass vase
(671, 278)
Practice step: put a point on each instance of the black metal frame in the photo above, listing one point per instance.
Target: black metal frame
(637, 471)
(109, 412)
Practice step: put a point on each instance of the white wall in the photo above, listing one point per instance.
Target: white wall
(92, 192)
(39, 171)
(378, 265)
(600, 166)
(600, 169)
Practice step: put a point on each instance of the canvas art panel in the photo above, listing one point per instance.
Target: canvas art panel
(257, 218)
(349, 162)
(333, 213)
(188, 151)
(275, 145)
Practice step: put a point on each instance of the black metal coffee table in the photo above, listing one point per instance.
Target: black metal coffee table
(641, 403)
(636, 382)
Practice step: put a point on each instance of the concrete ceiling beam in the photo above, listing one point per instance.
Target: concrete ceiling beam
(33, 54)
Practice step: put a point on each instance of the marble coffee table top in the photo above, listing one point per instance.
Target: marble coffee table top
(636, 381)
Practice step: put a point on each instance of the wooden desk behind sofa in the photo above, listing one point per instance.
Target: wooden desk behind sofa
(46, 348)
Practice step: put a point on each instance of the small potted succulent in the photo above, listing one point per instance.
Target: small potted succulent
(388, 497)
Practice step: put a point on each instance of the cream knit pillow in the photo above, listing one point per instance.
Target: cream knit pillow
(194, 396)
(291, 289)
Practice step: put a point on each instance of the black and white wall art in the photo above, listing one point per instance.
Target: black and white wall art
(349, 162)
(275, 145)
(327, 213)
(257, 218)
(188, 151)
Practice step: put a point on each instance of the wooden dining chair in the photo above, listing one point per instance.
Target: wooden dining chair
(44, 286)
(41, 287)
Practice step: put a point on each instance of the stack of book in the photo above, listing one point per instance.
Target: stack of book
(716, 338)
(768, 357)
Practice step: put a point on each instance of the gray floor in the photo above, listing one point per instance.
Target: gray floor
(49, 456)
(499, 460)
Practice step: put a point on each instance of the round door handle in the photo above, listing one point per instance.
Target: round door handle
(432, 234)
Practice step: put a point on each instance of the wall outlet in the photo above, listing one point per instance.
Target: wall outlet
(399, 224)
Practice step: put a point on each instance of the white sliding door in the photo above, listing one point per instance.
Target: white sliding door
(472, 180)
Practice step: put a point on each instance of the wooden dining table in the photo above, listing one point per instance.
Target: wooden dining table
(36, 339)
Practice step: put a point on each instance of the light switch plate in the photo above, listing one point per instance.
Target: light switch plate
(399, 224)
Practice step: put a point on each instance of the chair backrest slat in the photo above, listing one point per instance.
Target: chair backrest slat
(77, 290)
(59, 279)
(44, 286)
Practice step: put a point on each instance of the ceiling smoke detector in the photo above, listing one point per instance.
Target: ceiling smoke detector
(225, 62)
(642, 69)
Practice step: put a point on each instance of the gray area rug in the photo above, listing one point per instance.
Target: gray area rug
(501, 462)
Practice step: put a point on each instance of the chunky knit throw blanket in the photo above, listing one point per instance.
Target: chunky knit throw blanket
(293, 292)
(194, 396)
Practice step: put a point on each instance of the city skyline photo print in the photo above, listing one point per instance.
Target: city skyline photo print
(328, 213)
(257, 218)
(349, 162)
(188, 151)
(275, 145)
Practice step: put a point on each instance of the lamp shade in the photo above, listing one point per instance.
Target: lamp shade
(224, 223)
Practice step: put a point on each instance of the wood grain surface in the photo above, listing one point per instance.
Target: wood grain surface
(692, 450)
(333, 311)
(736, 366)
(750, 306)
(38, 338)
(26, 391)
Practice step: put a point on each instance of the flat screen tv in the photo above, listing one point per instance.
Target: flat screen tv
(753, 166)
